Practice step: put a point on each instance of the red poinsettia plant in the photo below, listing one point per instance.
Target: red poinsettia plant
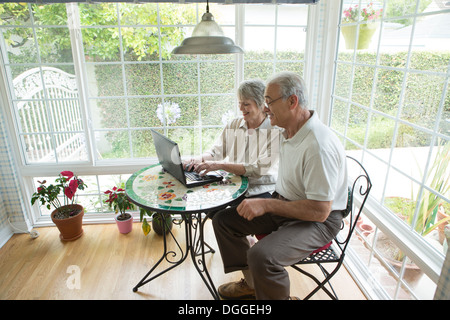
(68, 183)
(119, 201)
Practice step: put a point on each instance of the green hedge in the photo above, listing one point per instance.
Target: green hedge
(421, 99)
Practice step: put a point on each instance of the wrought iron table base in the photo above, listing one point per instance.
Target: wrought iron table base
(195, 247)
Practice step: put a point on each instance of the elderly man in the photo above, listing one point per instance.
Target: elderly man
(306, 209)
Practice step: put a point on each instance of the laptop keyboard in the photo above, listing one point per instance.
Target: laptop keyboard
(193, 176)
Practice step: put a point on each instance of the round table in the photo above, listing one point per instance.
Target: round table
(154, 189)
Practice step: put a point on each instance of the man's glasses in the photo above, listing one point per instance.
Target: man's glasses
(269, 103)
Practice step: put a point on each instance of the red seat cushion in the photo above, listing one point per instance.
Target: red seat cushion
(260, 236)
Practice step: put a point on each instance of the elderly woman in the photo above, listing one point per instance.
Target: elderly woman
(248, 145)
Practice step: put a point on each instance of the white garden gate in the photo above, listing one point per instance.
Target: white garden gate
(49, 117)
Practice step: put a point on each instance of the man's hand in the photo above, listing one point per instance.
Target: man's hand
(306, 210)
(251, 208)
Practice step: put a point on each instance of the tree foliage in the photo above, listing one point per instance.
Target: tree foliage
(139, 33)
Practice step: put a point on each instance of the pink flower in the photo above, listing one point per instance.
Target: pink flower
(71, 189)
(68, 174)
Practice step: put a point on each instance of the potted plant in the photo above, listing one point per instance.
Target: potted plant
(429, 203)
(67, 216)
(426, 220)
(119, 202)
(367, 15)
(157, 222)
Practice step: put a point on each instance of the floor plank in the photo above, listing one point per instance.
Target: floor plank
(110, 264)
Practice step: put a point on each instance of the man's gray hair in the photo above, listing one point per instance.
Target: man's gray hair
(291, 83)
(253, 90)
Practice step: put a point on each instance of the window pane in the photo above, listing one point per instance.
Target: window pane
(381, 133)
(422, 99)
(260, 70)
(142, 112)
(339, 116)
(362, 85)
(388, 91)
(140, 44)
(20, 45)
(291, 39)
(259, 39)
(356, 130)
(54, 44)
(217, 110)
(101, 44)
(292, 15)
(343, 80)
(143, 79)
(222, 80)
(106, 80)
(113, 144)
(98, 14)
(109, 113)
(180, 78)
(261, 15)
(142, 142)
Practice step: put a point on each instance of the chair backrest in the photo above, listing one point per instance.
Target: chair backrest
(360, 186)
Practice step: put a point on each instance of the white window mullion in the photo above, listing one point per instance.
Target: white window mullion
(73, 22)
(322, 39)
(239, 40)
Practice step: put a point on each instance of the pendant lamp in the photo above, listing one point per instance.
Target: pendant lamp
(207, 38)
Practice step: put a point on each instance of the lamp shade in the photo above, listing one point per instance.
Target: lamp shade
(207, 38)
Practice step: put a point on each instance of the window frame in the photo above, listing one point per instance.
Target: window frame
(93, 167)
(424, 255)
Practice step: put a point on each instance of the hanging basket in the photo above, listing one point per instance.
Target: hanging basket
(366, 32)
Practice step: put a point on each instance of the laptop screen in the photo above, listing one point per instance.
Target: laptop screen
(168, 155)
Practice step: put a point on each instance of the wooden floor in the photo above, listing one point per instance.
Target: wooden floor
(104, 264)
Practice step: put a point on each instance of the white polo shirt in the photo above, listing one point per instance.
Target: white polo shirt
(313, 166)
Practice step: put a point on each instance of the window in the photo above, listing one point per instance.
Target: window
(89, 81)
(391, 108)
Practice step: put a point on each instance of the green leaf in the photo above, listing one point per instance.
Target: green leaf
(146, 227)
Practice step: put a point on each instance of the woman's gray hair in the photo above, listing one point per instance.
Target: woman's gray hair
(253, 90)
(291, 83)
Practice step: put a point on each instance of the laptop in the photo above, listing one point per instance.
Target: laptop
(170, 159)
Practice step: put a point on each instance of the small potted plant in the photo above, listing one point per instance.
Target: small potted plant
(67, 215)
(119, 202)
(160, 222)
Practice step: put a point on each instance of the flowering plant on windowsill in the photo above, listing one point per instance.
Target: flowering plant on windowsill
(68, 183)
(353, 14)
(119, 202)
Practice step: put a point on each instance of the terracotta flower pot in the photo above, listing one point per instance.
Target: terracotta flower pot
(125, 226)
(70, 228)
(390, 253)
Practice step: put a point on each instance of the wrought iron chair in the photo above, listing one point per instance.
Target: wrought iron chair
(334, 252)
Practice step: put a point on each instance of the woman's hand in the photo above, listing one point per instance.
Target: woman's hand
(189, 165)
(206, 166)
